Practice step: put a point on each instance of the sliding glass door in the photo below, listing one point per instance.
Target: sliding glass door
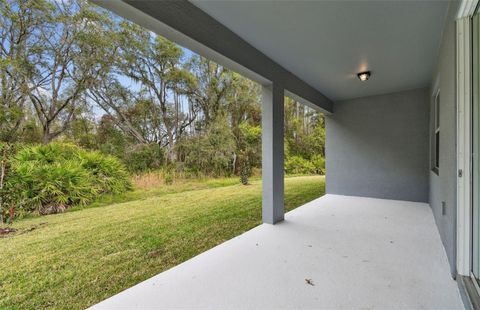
(476, 151)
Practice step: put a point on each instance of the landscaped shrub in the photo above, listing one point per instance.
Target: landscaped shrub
(51, 178)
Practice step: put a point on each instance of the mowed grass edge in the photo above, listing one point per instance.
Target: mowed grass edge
(76, 259)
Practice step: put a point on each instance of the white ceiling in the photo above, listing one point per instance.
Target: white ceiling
(326, 43)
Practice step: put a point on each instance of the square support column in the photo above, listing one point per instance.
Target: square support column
(272, 154)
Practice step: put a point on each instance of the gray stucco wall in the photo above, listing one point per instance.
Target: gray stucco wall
(443, 186)
(378, 146)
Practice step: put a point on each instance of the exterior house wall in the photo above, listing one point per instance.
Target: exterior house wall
(443, 185)
(378, 146)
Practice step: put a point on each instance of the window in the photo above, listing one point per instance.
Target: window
(436, 134)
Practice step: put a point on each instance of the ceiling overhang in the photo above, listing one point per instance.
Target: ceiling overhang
(187, 25)
(326, 43)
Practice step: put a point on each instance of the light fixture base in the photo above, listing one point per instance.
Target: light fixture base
(364, 76)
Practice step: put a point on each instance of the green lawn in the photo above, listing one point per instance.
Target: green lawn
(76, 259)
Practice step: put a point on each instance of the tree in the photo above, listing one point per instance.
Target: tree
(110, 139)
(156, 64)
(19, 22)
(304, 139)
(249, 149)
(212, 88)
(73, 71)
(83, 127)
(209, 153)
(243, 107)
(75, 42)
(115, 99)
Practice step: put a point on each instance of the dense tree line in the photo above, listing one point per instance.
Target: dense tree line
(73, 72)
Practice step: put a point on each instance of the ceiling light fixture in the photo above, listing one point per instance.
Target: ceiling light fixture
(363, 76)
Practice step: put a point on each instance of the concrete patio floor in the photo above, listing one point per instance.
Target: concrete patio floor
(359, 253)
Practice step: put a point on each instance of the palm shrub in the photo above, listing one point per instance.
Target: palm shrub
(51, 178)
(52, 187)
(109, 173)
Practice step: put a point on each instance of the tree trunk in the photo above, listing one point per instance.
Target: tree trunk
(234, 163)
(46, 136)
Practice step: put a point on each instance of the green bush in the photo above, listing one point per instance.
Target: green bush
(8, 193)
(249, 149)
(51, 178)
(109, 173)
(144, 157)
(319, 163)
(298, 165)
(211, 153)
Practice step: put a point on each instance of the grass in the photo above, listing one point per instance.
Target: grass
(76, 259)
(153, 185)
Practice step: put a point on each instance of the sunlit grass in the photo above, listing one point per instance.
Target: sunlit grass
(77, 259)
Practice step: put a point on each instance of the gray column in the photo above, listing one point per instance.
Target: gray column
(272, 154)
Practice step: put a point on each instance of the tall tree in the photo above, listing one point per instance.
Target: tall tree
(156, 64)
(115, 100)
(19, 22)
(243, 107)
(214, 82)
(75, 40)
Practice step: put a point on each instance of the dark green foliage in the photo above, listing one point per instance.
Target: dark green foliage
(9, 194)
(318, 162)
(110, 139)
(250, 144)
(110, 175)
(249, 147)
(51, 178)
(245, 169)
(210, 153)
(298, 165)
(52, 187)
(304, 139)
(82, 133)
(144, 157)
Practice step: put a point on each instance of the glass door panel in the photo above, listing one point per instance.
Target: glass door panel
(476, 150)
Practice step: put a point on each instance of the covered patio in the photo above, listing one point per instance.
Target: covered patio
(336, 252)
(402, 245)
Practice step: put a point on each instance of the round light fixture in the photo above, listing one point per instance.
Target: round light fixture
(363, 76)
